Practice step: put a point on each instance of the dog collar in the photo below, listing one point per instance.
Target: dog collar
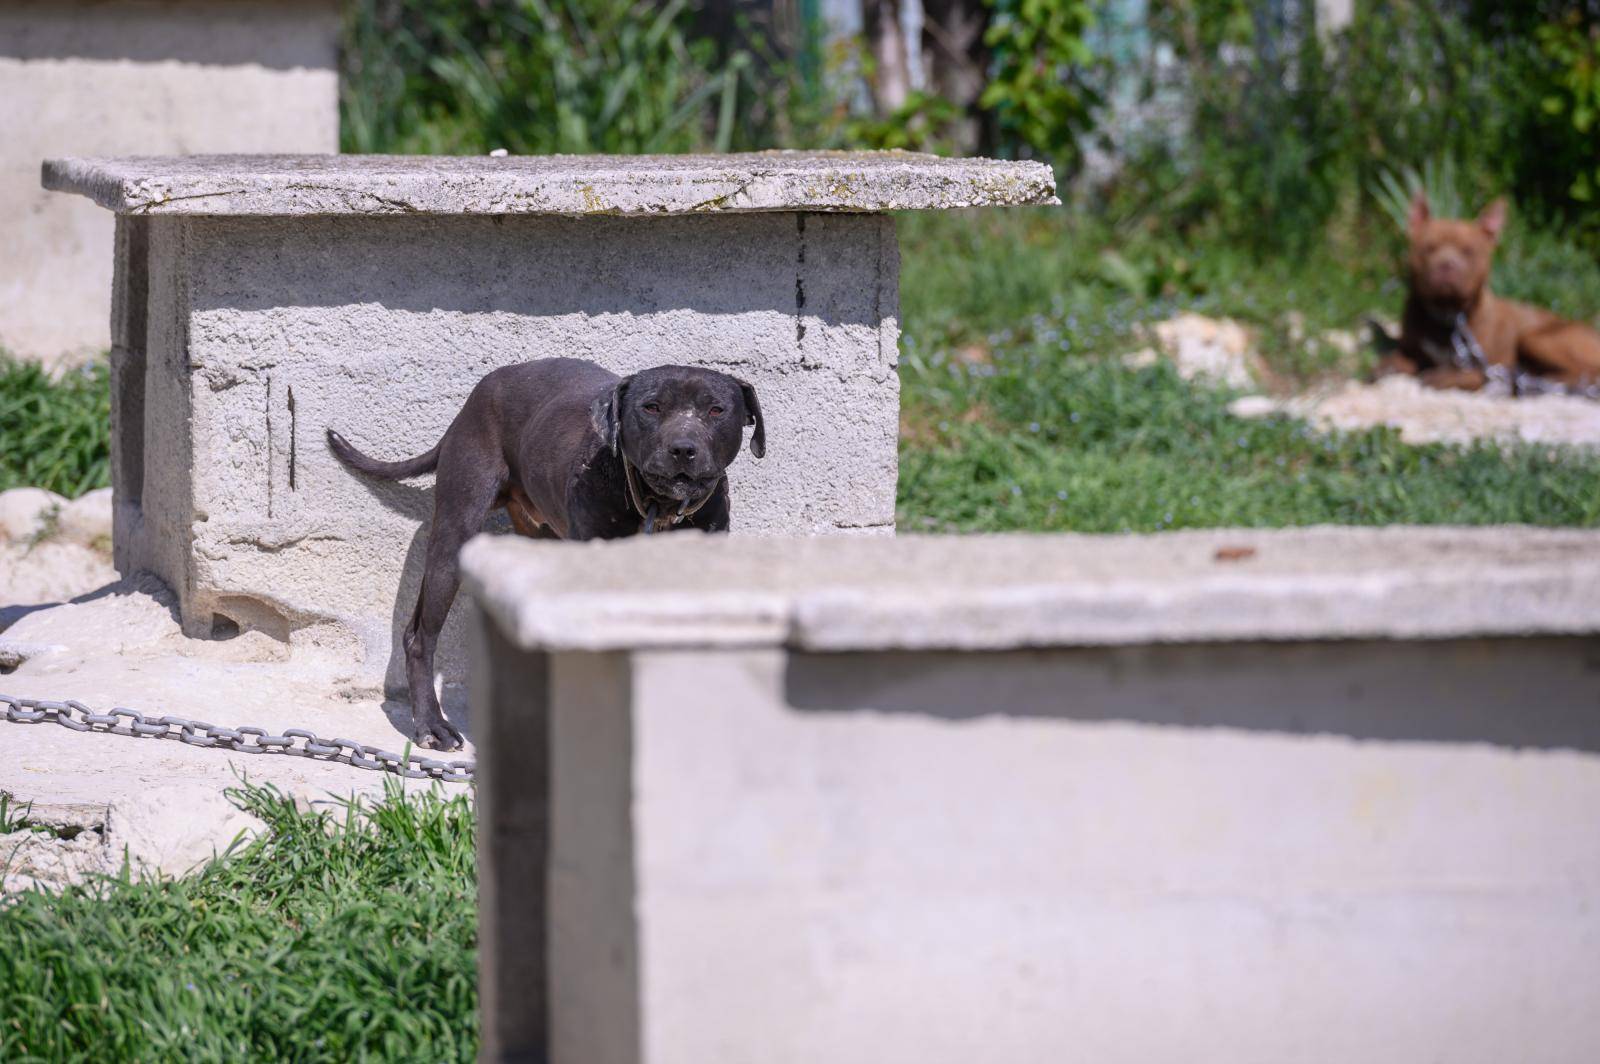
(650, 512)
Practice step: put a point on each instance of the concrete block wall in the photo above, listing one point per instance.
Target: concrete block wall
(1021, 799)
(261, 300)
(258, 334)
(143, 77)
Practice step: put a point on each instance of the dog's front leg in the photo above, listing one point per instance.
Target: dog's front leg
(1470, 380)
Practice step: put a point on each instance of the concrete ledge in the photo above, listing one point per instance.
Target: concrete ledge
(989, 798)
(563, 184)
(978, 592)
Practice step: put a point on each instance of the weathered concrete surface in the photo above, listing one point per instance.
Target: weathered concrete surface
(151, 76)
(1021, 590)
(258, 334)
(561, 184)
(1192, 845)
(162, 802)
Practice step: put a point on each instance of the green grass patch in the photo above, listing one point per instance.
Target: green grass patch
(1073, 444)
(346, 935)
(54, 434)
(1020, 416)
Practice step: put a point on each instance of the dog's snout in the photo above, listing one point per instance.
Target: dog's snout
(683, 450)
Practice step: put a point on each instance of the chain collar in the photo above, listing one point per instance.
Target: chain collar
(650, 512)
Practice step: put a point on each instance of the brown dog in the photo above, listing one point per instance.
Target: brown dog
(1455, 333)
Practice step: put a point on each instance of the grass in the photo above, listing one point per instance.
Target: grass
(345, 935)
(54, 434)
(1018, 415)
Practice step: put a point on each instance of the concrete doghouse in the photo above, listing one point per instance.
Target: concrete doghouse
(1320, 795)
(154, 76)
(260, 300)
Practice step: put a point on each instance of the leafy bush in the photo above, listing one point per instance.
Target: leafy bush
(541, 76)
(1291, 128)
(1041, 105)
(1570, 47)
(54, 434)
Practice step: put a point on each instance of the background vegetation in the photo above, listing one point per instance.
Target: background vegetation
(57, 433)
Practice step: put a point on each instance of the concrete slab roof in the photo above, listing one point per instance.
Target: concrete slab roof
(551, 184)
(996, 592)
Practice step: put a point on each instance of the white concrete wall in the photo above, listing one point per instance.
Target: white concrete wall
(263, 333)
(136, 77)
(1244, 852)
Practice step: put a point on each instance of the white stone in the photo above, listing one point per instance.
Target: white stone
(1218, 351)
(126, 76)
(28, 513)
(86, 520)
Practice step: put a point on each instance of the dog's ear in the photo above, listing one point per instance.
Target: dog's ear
(1493, 218)
(605, 414)
(1419, 212)
(752, 413)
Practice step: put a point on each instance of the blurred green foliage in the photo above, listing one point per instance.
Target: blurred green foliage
(1283, 129)
(54, 434)
(1293, 128)
(1572, 48)
(543, 76)
(1041, 104)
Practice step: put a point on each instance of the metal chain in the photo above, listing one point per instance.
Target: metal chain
(295, 742)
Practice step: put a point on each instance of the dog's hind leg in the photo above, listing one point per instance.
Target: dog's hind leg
(465, 492)
(1565, 351)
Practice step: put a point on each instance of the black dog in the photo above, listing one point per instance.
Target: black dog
(571, 452)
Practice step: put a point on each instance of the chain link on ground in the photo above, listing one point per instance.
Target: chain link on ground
(293, 742)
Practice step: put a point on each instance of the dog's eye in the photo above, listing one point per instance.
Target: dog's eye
(717, 411)
(654, 408)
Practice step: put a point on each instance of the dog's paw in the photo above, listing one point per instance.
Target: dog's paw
(437, 734)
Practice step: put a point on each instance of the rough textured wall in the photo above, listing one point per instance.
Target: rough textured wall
(81, 77)
(380, 328)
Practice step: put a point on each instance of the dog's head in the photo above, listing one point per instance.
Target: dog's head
(1449, 258)
(680, 427)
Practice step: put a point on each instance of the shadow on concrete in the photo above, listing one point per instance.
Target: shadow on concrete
(139, 583)
(452, 700)
(1540, 693)
(623, 269)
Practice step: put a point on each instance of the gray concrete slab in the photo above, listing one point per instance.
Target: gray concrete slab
(111, 77)
(1020, 590)
(559, 184)
(1318, 794)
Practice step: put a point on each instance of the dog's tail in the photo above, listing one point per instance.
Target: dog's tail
(408, 467)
